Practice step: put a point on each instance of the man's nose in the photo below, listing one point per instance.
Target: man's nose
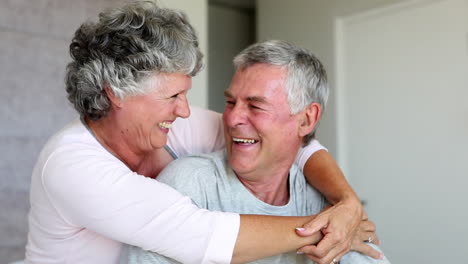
(236, 115)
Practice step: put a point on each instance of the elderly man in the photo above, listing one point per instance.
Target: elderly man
(273, 106)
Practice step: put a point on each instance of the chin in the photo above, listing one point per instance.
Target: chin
(158, 145)
(240, 166)
(158, 142)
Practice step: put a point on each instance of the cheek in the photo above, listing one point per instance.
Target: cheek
(157, 138)
(281, 129)
(226, 114)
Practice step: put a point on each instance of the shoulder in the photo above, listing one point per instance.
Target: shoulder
(194, 171)
(305, 152)
(73, 157)
(194, 164)
(73, 165)
(201, 132)
(312, 200)
(74, 139)
(74, 146)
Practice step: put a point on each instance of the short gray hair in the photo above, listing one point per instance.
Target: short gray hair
(124, 47)
(306, 80)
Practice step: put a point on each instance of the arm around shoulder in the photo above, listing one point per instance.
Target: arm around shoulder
(137, 210)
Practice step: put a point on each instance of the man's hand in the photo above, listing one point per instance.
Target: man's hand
(339, 225)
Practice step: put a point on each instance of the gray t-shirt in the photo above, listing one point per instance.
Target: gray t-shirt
(211, 183)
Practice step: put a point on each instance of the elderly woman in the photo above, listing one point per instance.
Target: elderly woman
(128, 81)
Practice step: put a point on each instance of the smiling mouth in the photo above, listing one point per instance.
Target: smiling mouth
(165, 125)
(244, 141)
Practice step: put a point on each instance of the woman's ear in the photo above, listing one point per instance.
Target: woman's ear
(115, 101)
(309, 119)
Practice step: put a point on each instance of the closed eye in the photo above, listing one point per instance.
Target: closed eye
(255, 107)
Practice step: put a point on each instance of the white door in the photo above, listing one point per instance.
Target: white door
(403, 125)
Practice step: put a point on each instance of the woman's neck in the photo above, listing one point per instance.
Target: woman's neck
(154, 163)
(109, 135)
(146, 163)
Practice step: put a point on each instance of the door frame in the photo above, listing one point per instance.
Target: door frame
(339, 23)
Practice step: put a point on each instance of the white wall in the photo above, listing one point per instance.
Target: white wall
(310, 24)
(403, 96)
(429, 157)
(197, 11)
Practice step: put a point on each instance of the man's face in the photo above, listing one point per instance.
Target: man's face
(261, 134)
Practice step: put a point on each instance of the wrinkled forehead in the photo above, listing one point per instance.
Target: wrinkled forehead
(258, 80)
(263, 69)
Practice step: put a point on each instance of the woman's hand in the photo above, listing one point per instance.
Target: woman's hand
(339, 224)
(366, 234)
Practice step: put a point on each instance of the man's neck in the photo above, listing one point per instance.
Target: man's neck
(270, 188)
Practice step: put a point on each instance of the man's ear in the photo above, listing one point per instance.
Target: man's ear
(115, 101)
(310, 117)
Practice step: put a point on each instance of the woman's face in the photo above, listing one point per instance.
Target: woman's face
(146, 119)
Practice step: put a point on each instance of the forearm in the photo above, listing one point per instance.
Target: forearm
(338, 223)
(322, 172)
(261, 236)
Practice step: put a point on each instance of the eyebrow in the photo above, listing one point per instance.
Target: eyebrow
(228, 94)
(259, 99)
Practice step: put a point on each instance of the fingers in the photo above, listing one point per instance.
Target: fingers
(306, 250)
(335, 242)
(370, 237)
(367, 233)
(329, 248)
(368, 250)
(328, 258)
(339, 224)
(367, 236)
(317, 224)
(364, 215)
(367, 226)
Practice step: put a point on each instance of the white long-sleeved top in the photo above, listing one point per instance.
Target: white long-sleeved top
(85, 202)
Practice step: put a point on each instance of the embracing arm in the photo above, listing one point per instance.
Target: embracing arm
(253, 237)
(340, 222)
(323, 173)
(261, 236)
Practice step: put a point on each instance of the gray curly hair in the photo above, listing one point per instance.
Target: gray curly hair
(306, 80)
(124, 47)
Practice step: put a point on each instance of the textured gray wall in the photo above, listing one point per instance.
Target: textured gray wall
(33, 53)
